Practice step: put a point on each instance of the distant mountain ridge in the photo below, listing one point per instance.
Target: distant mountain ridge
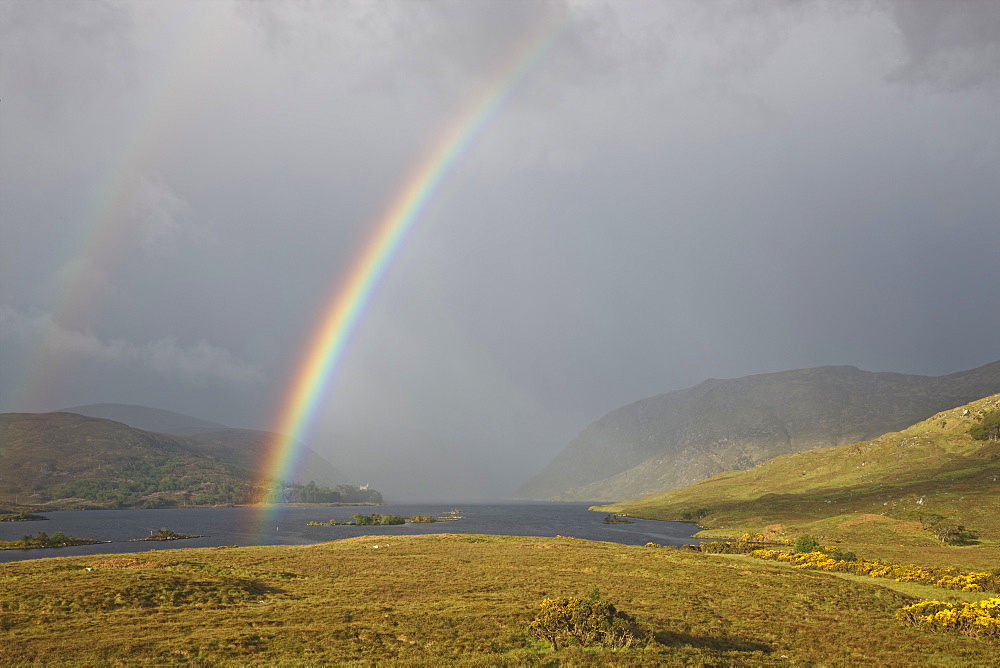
(679, 438)
(147, 419)
(933, 468)
(243, 447)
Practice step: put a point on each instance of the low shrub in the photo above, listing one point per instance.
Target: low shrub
(843, 555)
(726, 547)
(591, 621)
(977, 619)
(806, 543)
(770, 535)
(946, 578)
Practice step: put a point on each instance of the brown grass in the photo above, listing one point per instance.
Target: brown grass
(447, 600)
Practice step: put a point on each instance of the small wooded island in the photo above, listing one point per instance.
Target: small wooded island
(167, 534)
(375, 519)
(22, 516)
(43, 540)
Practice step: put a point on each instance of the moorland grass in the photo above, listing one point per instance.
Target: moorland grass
(449, 599)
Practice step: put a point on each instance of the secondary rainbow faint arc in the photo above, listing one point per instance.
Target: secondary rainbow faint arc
(105, 216)
(345, 309)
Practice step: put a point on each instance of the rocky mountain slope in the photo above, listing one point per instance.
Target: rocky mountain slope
(676, 439)
(933, 469)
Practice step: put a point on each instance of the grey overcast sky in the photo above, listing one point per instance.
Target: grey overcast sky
(677, 190)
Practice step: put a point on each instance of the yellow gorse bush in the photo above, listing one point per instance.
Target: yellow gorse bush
(946, 578)
(587, 622)
(766, 536)
(980, 619)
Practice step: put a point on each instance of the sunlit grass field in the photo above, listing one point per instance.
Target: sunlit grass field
(449, 599)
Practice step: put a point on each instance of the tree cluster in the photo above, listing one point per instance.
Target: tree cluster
(161, 475)
(376, 519)
(313, 493)
(946, 530)
(988, 428)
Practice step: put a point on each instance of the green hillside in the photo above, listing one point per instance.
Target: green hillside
(243, 447)
(891, 489)
(65, 460)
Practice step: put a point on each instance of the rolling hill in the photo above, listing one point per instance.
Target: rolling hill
(676, 439)
(71, 460)
(900, 482)
(52, 458)
(242, 447)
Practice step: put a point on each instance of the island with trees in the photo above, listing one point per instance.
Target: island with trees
(43, 540)
(167, 534)
(23, 516)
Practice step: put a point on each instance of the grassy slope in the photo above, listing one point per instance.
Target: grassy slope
(863, 493)
(433, 600)
(40, 452)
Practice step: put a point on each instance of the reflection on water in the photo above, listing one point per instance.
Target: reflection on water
(288, 526)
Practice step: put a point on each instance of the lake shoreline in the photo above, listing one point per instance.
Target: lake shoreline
(289, 525)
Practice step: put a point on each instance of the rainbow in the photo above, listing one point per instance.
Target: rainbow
(330, 339)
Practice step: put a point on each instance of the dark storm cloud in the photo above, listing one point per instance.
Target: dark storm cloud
(954, 44)
(59, 54)
(675, 191)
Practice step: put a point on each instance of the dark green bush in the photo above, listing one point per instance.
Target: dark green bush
(806, 543)
(988, 428)
(843, 555)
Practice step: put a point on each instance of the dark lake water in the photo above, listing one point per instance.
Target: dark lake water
(288, 526)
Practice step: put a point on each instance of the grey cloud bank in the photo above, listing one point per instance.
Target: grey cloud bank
(676, 191)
